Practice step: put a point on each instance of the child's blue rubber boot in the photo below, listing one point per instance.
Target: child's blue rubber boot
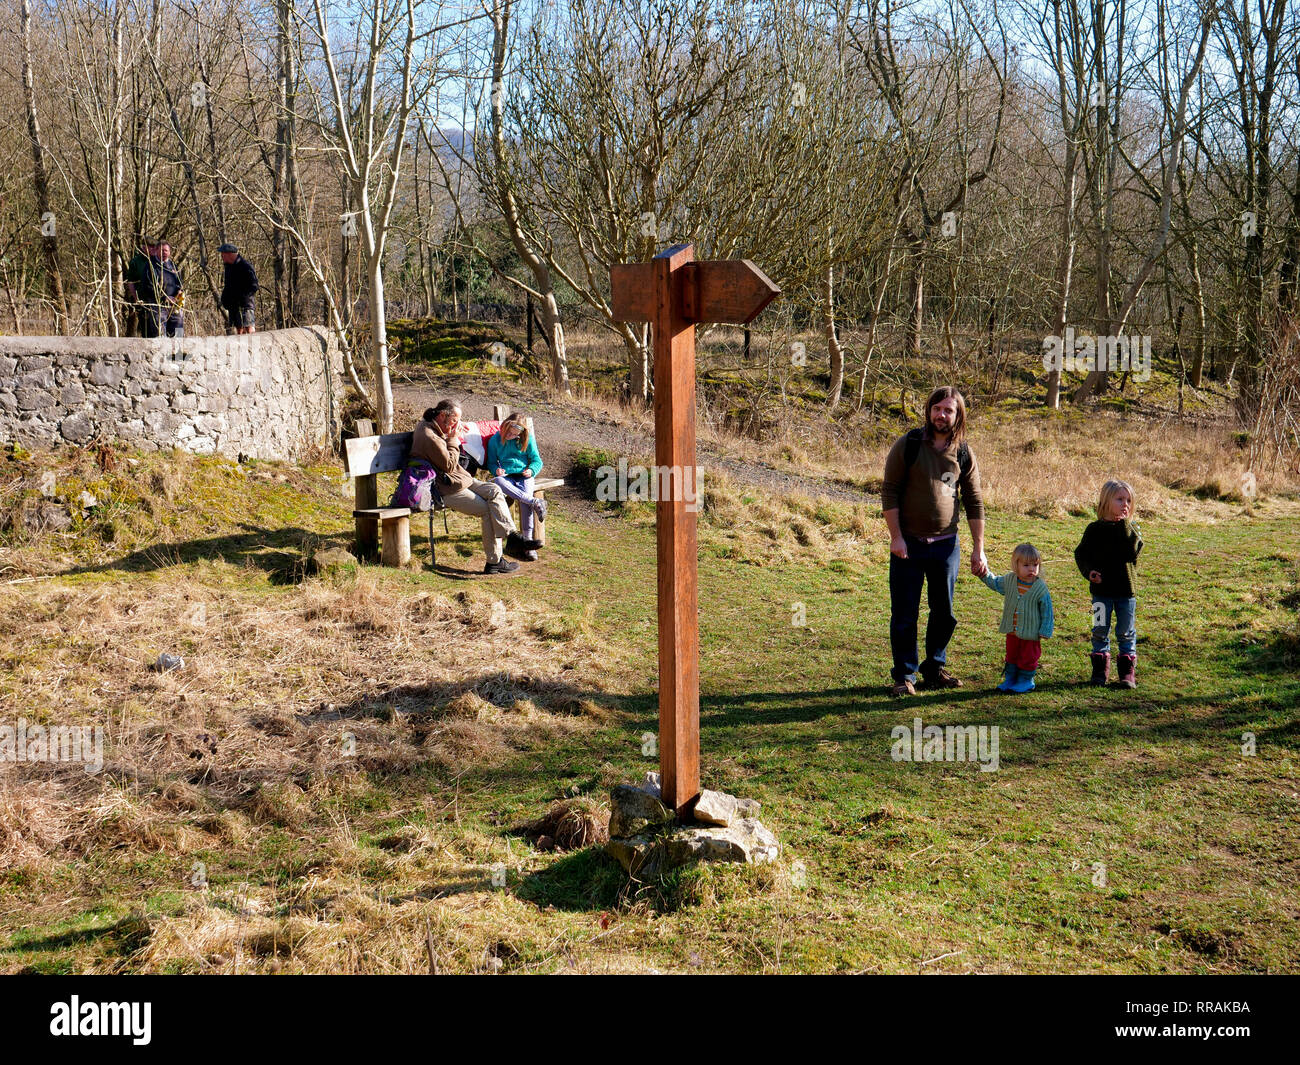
(1009, 676)
(1025, 683)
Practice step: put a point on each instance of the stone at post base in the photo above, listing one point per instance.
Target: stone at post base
(647, 844)
(719, 808)
(633, 810)
(650, 855)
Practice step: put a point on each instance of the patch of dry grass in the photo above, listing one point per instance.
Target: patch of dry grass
(331, 680)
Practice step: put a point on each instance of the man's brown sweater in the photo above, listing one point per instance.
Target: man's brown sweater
(929, 499)
(429, 443)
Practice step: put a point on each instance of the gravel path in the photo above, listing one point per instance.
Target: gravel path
(563, 427)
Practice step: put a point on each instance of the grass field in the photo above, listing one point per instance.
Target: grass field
(323, 788)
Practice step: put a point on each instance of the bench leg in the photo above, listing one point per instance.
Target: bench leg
(539, 526)
(367, 538)
(367, 495)
(397, 542)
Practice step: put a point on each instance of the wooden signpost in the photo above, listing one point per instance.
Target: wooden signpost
(673, 292)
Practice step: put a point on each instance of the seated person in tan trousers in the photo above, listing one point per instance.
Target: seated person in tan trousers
(437, 441)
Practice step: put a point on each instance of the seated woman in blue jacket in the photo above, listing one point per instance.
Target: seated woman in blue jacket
(513, 461)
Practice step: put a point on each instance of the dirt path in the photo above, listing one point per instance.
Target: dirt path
(562, 427)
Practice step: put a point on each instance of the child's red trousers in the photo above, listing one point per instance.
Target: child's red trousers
(1023, 653)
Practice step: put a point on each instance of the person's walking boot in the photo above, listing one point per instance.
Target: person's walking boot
(938, 677)
(517, 546)
(1126, 667)
(497, 568)
(1009, 675)
(1024, 683)
(1100, 668)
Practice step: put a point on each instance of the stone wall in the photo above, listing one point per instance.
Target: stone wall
(270, 395)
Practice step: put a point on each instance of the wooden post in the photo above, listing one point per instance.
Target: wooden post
(679, 628)
(673, 293)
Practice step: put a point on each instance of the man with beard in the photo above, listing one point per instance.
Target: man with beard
(930, 475)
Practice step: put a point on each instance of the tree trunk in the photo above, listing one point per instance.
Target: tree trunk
(41, 181)
(13, 300)
(1288, 278)
(833, 348)
(1198, 357)
(1064, 274)
(379, 345)
(915, 301)
(510, 208)
(637, 341)
(555, 341)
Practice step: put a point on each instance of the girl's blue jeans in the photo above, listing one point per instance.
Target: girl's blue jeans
(1125, 612)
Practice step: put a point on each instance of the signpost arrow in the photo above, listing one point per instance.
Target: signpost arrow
(673, 293)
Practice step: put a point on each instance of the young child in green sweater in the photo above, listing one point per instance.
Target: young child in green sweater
(1107, 558)
(1026, 617)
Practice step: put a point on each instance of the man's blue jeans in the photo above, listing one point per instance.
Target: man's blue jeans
(1125, 611)
(934, 565)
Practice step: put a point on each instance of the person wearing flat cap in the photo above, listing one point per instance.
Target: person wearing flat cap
(237, 292)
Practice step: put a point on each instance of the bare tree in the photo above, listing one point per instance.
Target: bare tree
(40, 177)
(1175, 121)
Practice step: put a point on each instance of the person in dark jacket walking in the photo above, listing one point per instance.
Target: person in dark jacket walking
(136, 273)
(160, 294)
(237, 293)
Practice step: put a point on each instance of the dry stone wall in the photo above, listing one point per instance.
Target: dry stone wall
(274, 395)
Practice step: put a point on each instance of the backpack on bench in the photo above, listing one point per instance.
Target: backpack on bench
(417, 487)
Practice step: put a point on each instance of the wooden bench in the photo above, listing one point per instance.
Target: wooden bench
(367, 457)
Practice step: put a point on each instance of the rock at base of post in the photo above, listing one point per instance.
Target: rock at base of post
(647, 856)
(647, 843)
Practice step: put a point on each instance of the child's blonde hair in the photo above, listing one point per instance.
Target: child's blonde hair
(1109, 491)
(516, 419)
(1026, 553)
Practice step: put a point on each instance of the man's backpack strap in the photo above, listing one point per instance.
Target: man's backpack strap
(911, 449)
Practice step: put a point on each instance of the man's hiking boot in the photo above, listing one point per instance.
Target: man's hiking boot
(518, 547)
(939, 678)
(902, 688)
(504, 566)
(1126, 667)
(1100, 668)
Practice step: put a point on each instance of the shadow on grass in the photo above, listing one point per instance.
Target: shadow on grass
(1037, 728)
(585, 880)
(284, 554)
(281, 553)
(500, 688)
(125, 937)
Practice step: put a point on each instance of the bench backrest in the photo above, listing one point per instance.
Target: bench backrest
(377, 454)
